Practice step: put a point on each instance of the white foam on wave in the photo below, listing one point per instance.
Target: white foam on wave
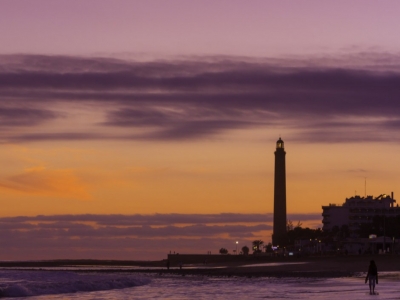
(35, 283)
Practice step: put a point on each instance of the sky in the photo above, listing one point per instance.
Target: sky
(129, 129)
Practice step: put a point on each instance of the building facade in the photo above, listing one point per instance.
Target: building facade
(357, 210)
(279, 236)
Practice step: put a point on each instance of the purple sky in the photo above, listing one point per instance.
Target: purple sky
(158, 28)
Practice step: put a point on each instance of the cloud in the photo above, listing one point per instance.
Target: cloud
(121, 236)
(11, 116)
(45, 182)
(159, 219)
(59, 136)
(357, 171)
(348, 99)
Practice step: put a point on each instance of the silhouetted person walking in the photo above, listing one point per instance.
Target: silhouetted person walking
(372, 277)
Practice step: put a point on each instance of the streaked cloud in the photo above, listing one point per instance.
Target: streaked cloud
(132, 234)
(25, 116)
(157, 219)
(348, 99)
(45, 182)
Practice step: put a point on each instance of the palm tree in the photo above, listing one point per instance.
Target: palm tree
(256, 245)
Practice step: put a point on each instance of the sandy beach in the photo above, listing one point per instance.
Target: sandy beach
(334, 266)
(324, 267)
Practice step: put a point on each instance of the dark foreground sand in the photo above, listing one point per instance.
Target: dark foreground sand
(333, 266)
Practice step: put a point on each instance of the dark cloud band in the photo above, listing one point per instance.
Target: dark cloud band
(121, 236)
(204, 97)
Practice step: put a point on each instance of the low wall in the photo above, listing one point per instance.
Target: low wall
(176, 259)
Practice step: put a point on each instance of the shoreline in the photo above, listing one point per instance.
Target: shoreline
(314, 267)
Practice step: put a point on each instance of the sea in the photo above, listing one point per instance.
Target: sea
(87, 283)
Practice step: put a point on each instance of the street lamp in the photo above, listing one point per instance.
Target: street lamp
(236, 246)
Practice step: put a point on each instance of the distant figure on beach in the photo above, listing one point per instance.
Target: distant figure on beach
(372, 277)
(180, 265)
(168, 264)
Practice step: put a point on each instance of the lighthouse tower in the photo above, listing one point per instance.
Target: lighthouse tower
(279, 236)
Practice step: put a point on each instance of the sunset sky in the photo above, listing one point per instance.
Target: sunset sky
(133, 128)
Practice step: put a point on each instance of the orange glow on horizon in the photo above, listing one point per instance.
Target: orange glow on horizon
(188, 178)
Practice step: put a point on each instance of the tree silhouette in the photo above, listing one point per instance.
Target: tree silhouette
(256, 245)
(245, 250)
(223, 251)
(289, 225)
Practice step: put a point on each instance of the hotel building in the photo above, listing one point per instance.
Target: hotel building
(357, 210)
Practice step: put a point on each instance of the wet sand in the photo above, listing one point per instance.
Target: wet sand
(321, 267)
(335, 266)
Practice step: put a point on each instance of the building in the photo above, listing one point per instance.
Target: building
(357, 210)
(279, 236)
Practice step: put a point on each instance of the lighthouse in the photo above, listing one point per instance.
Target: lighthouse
(279, 236)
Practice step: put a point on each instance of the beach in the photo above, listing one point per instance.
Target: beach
(273, 278)
(317, 266)
(335, 277)
(311, 266)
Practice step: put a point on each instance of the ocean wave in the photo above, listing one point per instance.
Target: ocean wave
(36, 283)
